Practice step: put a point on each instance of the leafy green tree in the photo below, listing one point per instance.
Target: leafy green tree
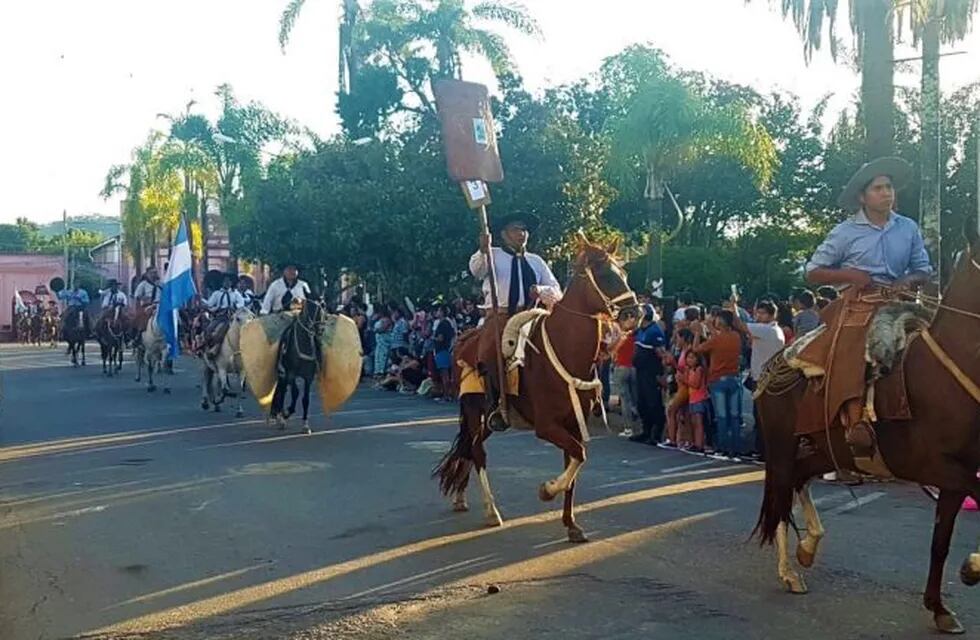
(665, 125)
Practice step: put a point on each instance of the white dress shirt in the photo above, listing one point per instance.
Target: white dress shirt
(225, 299)
(549, 291)
(147, 292)
(109, 298)
(273, 295)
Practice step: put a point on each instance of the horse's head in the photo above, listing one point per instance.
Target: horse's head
(964, 285)
(608, 291)
(313, 312)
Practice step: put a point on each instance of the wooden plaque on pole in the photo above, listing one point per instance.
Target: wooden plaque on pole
(468, 134)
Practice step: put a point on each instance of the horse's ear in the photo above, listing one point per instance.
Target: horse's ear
(971, 233)
(613, 248)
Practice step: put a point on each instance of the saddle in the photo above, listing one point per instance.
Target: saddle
(858, 353)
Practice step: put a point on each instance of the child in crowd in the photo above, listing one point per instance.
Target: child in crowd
(698, 403)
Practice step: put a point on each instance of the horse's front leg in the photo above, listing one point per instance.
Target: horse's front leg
(806, 550)
(574, 459)
(307, 383)
(575, 532)
(241, 394)
(205, 386)
(946, 511)
(150, 364)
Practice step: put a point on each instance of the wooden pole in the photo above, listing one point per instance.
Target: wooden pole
(495, 303)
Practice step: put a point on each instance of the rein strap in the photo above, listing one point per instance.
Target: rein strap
(968, 385)
(574, 384)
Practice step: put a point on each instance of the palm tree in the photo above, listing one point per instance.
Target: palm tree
(932, 23)
(667, 125)
(872, 24)
(152, 197)
(347, 60)
(402, 35)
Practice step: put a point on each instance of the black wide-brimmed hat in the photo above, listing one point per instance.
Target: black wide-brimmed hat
(112, 282)
(290, 263)
(898, 170)
(531, 221)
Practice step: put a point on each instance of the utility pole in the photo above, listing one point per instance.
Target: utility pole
(64, 242)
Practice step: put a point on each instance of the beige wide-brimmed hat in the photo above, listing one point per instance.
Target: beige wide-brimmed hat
(897, 169)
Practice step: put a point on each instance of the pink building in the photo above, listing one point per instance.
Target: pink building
(23, 271)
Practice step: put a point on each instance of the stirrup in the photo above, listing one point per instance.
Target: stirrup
(497, 421)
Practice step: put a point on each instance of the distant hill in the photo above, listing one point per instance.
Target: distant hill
(105, 226)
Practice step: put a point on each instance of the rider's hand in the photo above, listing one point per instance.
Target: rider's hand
(905, 283)
(485, 243)
(858, 278)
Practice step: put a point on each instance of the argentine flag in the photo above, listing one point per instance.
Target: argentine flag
(178, 288)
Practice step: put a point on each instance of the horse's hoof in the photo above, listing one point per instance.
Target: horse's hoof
(239, 414)
(947, 623)
(544, 493)
(794, 584)
(151, 389)
(217, 408)
(493, 519)
(166, 391)
(970, 571)
(461, 507)
(576, 535)
(205, 405)
(804, 557)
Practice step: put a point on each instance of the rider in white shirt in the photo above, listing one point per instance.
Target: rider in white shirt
(112, 296)
(283, 291)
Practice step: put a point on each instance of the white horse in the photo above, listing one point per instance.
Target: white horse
(215, 386)
(151, 347)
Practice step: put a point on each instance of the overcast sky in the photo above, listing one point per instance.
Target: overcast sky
(82, 82)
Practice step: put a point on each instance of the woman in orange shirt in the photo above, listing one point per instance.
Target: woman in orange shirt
(724, 348)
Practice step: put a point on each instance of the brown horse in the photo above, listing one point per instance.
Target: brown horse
(939, 446)
(561, 355)
(111, 332)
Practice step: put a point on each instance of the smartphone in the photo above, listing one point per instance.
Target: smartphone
(734, 291)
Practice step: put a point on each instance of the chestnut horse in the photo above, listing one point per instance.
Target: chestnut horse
(571, 333)
(939, 446)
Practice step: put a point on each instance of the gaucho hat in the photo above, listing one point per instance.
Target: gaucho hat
(531, 221)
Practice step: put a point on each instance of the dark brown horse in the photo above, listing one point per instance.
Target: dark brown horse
(940, 446)
(563, 347)
(75, 330)
(112, 331)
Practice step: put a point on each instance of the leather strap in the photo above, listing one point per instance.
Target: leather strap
(968, 385)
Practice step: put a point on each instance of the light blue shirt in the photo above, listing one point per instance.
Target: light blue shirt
(74, 298)
(886, 253)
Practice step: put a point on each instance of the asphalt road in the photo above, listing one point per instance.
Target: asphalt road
(125, 514)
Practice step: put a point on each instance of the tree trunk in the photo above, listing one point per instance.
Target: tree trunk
(202, 204)
(655, 247)
(877, 78)
(929, 201)
(653, 194)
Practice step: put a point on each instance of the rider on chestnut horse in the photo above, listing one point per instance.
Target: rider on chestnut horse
(875, 254)
(223, 303)
(525, 278)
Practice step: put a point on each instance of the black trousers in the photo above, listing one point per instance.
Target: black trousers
(650, 402)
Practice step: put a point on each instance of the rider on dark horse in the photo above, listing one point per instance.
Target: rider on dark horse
(523, 279)
(76, 308)
(223, 303)
(875, 256)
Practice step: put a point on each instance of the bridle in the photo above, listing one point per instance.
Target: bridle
(613, 305)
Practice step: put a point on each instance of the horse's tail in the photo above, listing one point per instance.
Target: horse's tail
(453, 470)
(780, 451)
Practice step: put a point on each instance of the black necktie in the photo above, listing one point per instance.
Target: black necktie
(520, 273)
